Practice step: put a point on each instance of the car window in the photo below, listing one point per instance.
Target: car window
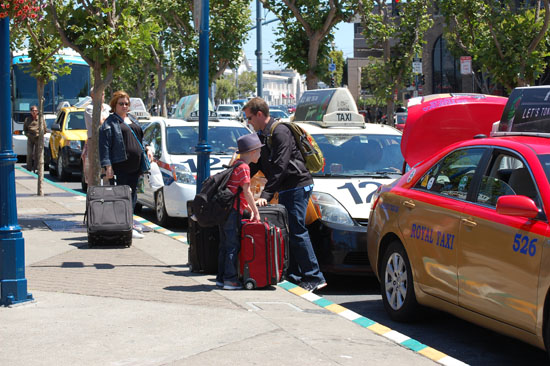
(360, 155)
(76, 121)
(182, 140)
(452, 175)
(152, 138)
(60, 119)
(507, 175)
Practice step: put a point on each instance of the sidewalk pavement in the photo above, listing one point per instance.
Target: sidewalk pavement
(142, 306)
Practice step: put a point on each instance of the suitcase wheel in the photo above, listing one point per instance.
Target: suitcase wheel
(250, 284)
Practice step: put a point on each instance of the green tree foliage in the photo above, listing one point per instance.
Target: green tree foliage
(399, 33)
(180, 86)
(337, 57)
(107, 34)
(508, 39)
(229, 22)
(304, 33)
(43, 44)
(246, 84)
(225, 89)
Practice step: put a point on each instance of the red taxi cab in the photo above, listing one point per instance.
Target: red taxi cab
(466, 230)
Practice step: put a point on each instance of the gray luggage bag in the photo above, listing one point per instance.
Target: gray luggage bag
(109, 215)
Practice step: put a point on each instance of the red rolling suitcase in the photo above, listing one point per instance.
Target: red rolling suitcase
(262, 254)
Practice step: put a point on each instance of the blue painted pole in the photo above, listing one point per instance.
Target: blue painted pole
(259, 68)
(13, 284)
(203, 148)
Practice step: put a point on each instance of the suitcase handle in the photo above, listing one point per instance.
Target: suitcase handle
(253, 248)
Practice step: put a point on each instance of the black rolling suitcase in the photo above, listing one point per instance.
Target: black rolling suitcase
(277, 215)
(109, 215)
(203, 245)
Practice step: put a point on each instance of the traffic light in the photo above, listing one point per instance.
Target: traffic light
(332, 81)
(395, 7)
(152, 78)
(422, 80)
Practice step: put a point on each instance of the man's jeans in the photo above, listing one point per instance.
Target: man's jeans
(303, 266)
(230, 245)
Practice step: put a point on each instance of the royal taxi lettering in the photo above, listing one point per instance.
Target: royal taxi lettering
(524, 245)
(428, 235)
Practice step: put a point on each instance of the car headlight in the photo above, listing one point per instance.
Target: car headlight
(74, 145)
(182, 174)
(330, 210)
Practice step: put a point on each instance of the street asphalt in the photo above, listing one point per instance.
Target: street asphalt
(142, 306)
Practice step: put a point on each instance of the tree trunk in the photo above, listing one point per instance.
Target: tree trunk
(93, 144)
(40, 146)
(312, 80)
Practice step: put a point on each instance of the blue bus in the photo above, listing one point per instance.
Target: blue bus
(70, 88)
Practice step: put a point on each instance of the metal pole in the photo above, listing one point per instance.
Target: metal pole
(13, 284)
(259, 70)
(203, 148)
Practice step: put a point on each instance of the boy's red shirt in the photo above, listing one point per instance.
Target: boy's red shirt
(240, 176)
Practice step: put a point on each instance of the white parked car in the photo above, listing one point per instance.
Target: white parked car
(279, 114)
(228, 111)
(173, 142)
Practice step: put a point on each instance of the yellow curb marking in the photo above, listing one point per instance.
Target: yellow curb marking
(432, 353)
(335, 308)
(298, 291)
(379, 328)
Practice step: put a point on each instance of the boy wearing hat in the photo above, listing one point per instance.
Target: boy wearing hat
(230, 243)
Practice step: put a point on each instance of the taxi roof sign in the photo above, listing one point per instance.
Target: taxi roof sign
(340, 119)
(527, 112)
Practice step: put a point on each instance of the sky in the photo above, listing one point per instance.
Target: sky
(343, 41)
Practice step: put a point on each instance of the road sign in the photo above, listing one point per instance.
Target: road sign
(331, 67)
(465, 65)
(417, 66)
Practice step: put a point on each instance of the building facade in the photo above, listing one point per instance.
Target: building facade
(440, 69)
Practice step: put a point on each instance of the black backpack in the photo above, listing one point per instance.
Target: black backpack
(212, 204)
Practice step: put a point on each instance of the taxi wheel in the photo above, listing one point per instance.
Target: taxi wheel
(160, 209)
(50, 166)
(61, 173)
(396, 284)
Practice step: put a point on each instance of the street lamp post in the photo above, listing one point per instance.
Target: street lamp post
(203, 148)
(259, 68)
(13, 284)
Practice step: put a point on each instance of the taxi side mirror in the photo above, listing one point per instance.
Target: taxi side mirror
(56, 127)
(517, 206)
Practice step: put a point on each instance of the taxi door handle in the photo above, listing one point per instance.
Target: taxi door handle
(409, 204)
(469, 223)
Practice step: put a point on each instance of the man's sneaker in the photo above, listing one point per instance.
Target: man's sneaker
(232, 286)
(313, 286)
(137, 235)
(219, 284)
(138, 228)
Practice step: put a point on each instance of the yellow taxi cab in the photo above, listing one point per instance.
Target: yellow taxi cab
(66, 142)
(467, 230)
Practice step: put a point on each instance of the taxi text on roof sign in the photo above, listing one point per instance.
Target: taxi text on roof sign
(527, 112)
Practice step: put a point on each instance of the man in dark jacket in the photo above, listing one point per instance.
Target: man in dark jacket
(286, 173)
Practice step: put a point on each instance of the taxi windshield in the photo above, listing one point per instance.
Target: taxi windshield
(545, 162)
(182, 140)
(360, 155)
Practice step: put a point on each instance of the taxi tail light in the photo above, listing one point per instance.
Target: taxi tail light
(18, 132)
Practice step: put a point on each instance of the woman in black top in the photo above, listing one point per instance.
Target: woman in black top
(119, 149)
